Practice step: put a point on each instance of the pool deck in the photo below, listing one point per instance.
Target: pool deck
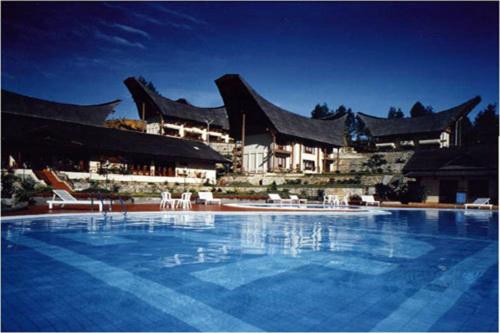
(154, 207)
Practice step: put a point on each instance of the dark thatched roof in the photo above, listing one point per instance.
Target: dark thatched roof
(156, 105)
(84, 114)
(465, 161)
(240, 97)
(61, 135)
(433, 123)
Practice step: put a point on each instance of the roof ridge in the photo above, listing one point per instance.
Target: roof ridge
(149, 91)
(115, 101)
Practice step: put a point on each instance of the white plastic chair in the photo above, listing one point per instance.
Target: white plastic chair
(184, 201)
(328, 199)
(345, 200)
(166, 200)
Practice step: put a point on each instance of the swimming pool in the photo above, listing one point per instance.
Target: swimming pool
(405, 270)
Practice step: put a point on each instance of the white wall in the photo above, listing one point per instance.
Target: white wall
(134, 178)
(256, 156)
(28, 173)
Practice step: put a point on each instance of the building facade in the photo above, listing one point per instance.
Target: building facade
(179, 119)
(442, 173)
(271, 139)
(39, 134)
(442, 129)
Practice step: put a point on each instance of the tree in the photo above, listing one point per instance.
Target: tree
(419, 110)
(485, 129)
(395, 113)
(148, 84)
(320, 111)
(349, 124)
(183, 101)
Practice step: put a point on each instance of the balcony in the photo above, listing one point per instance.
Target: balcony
(281, 150)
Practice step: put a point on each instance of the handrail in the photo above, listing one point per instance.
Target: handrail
(123, 206)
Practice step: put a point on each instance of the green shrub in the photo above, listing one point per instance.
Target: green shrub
(8, 184)
(293, 181)
(273, 187)
(375, 163)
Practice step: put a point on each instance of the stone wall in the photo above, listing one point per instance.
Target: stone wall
(350, 162)
(136, 187)
(225, 149)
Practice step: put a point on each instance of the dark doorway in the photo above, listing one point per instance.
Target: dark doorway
(447, 191)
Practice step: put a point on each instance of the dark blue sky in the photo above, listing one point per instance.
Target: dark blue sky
(368, 56)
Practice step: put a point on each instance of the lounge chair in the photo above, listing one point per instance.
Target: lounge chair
(275, 198)
(67, 199)
(369, 200)
(480, 203)
(208, 197)
(184, 201)
(295, 199)
(166, 200)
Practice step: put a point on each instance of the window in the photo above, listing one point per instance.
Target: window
(281, 162)
(308, 150)
(309, 165)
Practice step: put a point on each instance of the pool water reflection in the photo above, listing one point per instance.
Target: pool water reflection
(406, 270)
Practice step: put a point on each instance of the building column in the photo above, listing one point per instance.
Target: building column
(143, 116)
(152, 169)
(243, 128)
(338, 159)
(318, 160)
(300, 157)
(273, 152)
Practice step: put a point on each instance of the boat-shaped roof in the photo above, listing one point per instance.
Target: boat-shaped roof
(85, 114)
(239, 97)
(435, 122)
(156, 104)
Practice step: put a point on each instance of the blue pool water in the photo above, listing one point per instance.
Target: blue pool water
(405, 270)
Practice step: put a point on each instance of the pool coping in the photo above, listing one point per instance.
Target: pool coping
(260, 212)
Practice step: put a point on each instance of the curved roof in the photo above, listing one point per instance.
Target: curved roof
(238, 95)
(436, 122)
(57, 134)
(156, 104)
(30, 106)
(473, 160)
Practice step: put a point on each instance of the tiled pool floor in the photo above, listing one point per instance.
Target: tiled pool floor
(407, 270)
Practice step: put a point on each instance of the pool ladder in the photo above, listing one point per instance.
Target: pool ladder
(110, 206)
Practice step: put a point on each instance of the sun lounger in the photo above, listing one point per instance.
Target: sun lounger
(296, 199)
(275, 198)
(369, 200)
(480, 203)
(65, 198)
(208, 197)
